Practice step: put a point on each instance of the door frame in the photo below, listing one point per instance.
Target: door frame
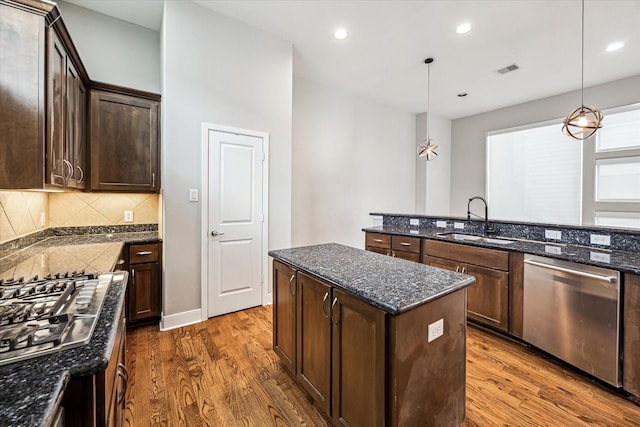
(204, 212)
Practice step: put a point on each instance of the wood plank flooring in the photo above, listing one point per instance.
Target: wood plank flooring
(223, 373)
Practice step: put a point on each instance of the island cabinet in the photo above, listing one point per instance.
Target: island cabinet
(394, 245)
(631, 331)
(363, 366)
(488, 300)
(124, 139)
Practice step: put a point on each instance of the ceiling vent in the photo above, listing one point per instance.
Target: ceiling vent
(508, 69)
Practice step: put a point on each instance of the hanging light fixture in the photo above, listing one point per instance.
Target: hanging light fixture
(428, 150)
(583, 122)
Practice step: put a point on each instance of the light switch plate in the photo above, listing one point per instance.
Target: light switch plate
(128, 216)
(43, 219)
(436, 330)
(441, 224)
(414, 221)
(601, 239)
(458, 225)
(553, 234)
(193, 194)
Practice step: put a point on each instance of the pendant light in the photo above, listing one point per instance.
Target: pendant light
(428, 150)
(583, 122)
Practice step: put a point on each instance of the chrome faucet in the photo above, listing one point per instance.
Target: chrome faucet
(488, 229)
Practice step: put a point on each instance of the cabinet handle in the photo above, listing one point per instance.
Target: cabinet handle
(69, 167)
(124, 375)
(120, 262)
(325, 310)
(393, 254)
(292, 288)
(405, 244)
(153, 180)
(457, 269)
(81, 174)
(377, 240)
(144, 253)
(333, 310)
(464, 270)
(133, 275)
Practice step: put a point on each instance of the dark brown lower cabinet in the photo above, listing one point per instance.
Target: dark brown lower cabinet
(284, 314)
(631, 316)
(364, 367)
(99, 400)
(144, 290)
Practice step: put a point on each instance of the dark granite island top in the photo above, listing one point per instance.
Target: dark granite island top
(392, 284)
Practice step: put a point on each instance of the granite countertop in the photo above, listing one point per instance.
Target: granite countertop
(627, 262)
(30, 389)
(391, 284)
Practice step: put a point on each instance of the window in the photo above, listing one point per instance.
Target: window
(537, 174)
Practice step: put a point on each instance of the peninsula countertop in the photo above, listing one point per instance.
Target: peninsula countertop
(391, 284)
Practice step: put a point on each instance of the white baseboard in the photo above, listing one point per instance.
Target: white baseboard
(177, 320)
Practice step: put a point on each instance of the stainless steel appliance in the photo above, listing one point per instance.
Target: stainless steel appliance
(572, 311)
(45, 315)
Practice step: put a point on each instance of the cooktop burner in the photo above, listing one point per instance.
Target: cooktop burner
(44, 315)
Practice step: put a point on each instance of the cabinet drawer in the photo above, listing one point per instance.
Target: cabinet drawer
(483, 257)
(406, 244)
(144, 253)
(378, 240)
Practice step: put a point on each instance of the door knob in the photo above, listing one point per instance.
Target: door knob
(214, 233)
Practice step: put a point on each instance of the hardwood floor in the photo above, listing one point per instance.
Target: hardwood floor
(223, 373)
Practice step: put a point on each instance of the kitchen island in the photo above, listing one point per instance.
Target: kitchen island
(374, 340)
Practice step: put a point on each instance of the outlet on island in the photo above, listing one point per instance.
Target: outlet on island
(436, 329)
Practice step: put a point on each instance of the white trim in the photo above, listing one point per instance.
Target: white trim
(173, 321)
(204, 214)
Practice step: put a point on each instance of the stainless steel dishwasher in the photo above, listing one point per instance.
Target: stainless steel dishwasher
(572, 311)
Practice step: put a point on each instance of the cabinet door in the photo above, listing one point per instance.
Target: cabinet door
(379, 250)
(314, 339)
(488, 298)
(284, 315)
(631, 368)
(124, 143)
(57, 171)
(358, 356)
(144, 291)
(445, 264)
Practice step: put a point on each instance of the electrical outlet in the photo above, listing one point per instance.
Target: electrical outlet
(601, 239)
(193, 194)
(441, 224)
(436, 329)
(458, 225)
(600, 257)
(43, 219)
(128, 216)
(414, 221)
(553, 234)
(550, 249)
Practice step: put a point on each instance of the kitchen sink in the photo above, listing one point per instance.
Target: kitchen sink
(474, 238)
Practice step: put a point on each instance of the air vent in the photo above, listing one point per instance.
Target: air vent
(508, 69)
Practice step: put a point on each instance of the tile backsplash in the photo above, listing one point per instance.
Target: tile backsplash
(21, 213)
(82, 209)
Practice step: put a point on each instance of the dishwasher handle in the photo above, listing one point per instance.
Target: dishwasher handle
(609, 279)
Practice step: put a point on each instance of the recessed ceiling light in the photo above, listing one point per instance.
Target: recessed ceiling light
(614, 46)
(463, 28)
(340, 34)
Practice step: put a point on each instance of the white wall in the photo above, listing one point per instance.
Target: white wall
(468, 135)
(217, 70)
(350, 157)
(433, 178)
(114, 51)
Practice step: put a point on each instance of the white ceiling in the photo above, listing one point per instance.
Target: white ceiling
(382, 59)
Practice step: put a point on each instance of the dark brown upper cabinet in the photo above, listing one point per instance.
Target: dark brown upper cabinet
(124, 140)
(42, 99)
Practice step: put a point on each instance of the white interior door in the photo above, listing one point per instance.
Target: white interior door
(235, 219)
